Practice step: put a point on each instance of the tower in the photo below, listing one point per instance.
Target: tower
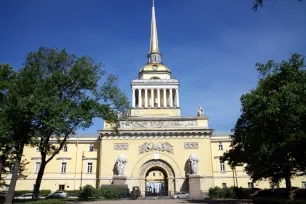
(155, 92)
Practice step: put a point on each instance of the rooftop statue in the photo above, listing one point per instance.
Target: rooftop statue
(200, 111)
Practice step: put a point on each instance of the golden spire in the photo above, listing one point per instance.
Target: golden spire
(154, 40)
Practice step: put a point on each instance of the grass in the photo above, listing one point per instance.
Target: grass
(47, 201)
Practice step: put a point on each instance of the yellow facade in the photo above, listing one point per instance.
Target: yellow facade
(153, 139)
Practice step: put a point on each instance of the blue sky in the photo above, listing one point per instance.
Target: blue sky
(210, 46)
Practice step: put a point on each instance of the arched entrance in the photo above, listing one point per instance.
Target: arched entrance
(158, 178)
(156, 182)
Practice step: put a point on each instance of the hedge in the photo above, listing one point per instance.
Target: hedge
(41, 192)
(231, 192)
(109, 193)
(276, 201)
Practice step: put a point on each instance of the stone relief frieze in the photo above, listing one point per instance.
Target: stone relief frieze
(121, 146)
(150, 146)
(157, 124)
(191, 145)
(149, 164)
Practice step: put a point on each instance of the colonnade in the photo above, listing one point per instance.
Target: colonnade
(155, 98)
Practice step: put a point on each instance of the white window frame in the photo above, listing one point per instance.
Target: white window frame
(89, 167)
(220, 146)
(91, 148)
(65, 148)
(250, 185)
(222, 165)
(63, 167)
(37, 166)
(11, 169)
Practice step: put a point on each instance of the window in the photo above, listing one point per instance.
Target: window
(91, 148)
(224, 185)
(250, 184)
(65, 148)
(220, 146)
(160, 174)
(89, 167)
(303, 184)
(222, 165)
(276, 185)
(64, 166)
(11, 169)
(153, 174)
(37, 149)
(37, 166)
(61, 187)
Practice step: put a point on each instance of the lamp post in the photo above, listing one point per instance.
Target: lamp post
(83, 157)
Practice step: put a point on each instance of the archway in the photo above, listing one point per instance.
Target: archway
(156, 182)
(158, 178)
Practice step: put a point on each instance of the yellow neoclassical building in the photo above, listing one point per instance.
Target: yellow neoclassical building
(156, 148)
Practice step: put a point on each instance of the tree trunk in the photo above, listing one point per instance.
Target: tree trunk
(39, 178)
(289, 187)
(10, 194)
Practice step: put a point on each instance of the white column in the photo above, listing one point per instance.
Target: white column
(177, 98)
(158, 98)
(152, 98)
(133, 99)
(165, 101)
(146, 98)
(139, 99)
(171, 99)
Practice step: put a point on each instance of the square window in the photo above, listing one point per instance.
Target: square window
(250, 184)
(224, 185)
(153, 174)
(220, 146)
(91, 148)
(61, 187)
(304, 184)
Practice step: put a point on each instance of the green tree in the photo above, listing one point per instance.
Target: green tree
(16, 120)
(259, 3)
(70, 93)
(270, 134)
(54, 95)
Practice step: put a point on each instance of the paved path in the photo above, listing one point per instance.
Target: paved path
(170, 201)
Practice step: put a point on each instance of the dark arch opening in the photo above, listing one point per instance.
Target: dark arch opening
(156, 182)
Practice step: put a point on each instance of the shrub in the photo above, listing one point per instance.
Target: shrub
(88, 193)
(216, 192)
(20, 193)
(44, 192)
(300, 194)
(276, 201)
(109, 193)
(231, 192)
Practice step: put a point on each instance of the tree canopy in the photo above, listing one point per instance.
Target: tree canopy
(270, 134)
(57, 93)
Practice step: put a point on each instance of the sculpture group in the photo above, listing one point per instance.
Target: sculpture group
(121, 164)
(194, 163)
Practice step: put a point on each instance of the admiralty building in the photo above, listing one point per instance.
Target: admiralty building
(156, 148)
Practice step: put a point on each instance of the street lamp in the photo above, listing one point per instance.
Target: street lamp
(83, 157)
